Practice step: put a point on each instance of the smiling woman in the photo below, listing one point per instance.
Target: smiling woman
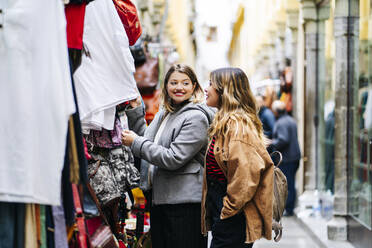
(180, 88)
(172, 150)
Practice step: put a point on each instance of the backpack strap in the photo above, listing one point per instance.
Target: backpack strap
(277, 228)
(280, 157)
(275, 186)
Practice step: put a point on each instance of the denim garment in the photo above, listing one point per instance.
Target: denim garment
(268, 121)
(49, 227)
(285, 138)
(289, 169)
(12, 225)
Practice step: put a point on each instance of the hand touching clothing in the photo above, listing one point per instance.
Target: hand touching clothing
(127, 137)
(135, 102)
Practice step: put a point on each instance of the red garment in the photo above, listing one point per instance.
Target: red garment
(75, 14)
(152, 103)
(128, 15)
(93, 224)
(213, 169)
(87, 155)
(121, 244)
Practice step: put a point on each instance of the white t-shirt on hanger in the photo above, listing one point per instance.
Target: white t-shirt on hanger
(105, 78)
(36, 100)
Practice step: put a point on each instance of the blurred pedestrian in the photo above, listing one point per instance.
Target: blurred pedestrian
(286, 81)
(285, 141)
(266, 116)
(238, 178)
(270, 95)
(174, 144)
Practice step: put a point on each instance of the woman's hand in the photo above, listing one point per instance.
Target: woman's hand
(127, 137)
(135, 102)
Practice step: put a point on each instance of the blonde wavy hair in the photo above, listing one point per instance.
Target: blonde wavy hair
(236, 103)
(197, 96)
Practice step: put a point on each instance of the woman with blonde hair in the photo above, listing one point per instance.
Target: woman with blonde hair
(238, 178)
(174, 144)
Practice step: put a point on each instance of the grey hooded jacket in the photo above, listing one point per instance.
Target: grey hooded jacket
(179, 154)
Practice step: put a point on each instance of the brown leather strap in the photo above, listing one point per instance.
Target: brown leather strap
(79, 217)
(95, 199)
(74, 161)
(95, 171)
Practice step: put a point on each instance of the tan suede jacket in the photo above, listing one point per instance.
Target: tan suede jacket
(249, 171)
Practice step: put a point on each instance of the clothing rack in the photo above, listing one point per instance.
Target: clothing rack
(156, 48)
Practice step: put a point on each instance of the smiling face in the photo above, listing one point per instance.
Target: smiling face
(212, 96)
(179, 87)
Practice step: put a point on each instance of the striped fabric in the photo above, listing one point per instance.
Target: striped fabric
(213, 169)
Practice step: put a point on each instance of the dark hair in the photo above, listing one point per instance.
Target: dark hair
(281, 111)
(198, 92)
(288, 62)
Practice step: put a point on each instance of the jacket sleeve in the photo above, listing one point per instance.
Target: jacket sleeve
(190, 140)
(136, 120)
(244, 168)
(281, 137)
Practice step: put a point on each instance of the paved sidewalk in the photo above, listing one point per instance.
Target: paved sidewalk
(294, 236)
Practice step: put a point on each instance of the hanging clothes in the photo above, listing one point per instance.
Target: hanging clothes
(99, 120)
(60, 234)
(43, 232)
(12, 225)
(107, 138)
(75, 14)
(31, 233)
(105, 77)
(49, 223)
(75, 25)
(36, 99)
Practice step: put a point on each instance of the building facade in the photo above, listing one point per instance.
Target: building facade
(329, 44)
(169, 26)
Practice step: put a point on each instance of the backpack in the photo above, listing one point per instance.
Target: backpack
(280, 195)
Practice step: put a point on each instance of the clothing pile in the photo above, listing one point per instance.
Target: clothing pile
(62, 118)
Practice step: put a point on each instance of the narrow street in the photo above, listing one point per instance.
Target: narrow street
(294, 236)
(115, 111)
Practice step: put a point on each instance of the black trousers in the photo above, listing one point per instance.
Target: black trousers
(230, 232)
(176, 226)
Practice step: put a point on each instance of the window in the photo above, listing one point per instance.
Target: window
(361, 171)
(327, 106)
